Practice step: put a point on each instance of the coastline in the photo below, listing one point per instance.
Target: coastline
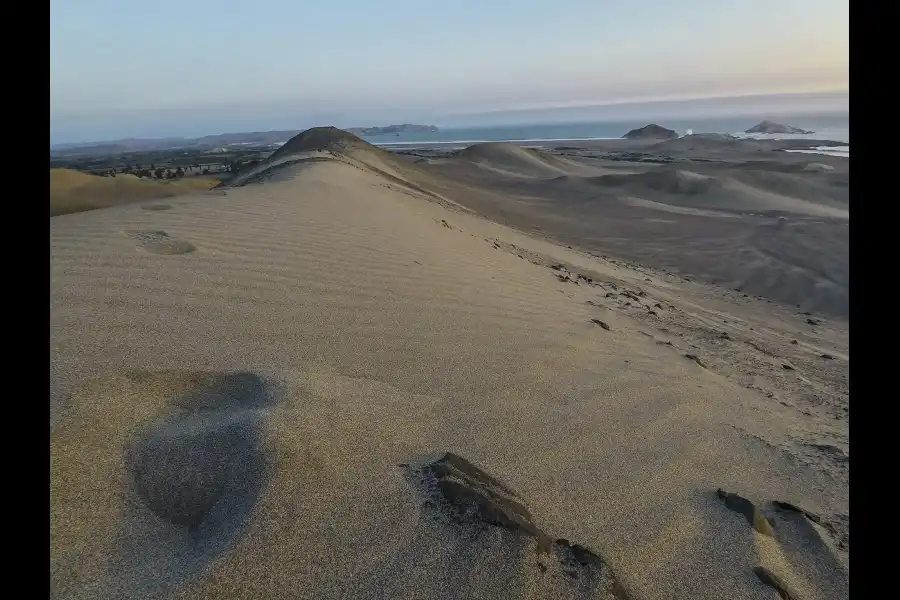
(798, 144)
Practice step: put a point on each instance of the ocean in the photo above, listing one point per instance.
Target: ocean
(832, 127)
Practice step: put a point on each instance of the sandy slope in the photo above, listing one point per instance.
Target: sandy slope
(740, 215)
(246, 418)
(73, 191)
(510, 159)
(742, 191)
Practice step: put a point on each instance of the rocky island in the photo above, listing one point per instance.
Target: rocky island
(772, 127)
(393, 129)
(651, 132)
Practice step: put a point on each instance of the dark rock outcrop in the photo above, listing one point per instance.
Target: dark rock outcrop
(772, 127)
(651, 132)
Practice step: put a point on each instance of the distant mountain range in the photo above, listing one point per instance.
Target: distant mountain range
(392, 129)
(254, 138)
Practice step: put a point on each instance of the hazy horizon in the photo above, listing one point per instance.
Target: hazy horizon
(755, 107)
(119, 71)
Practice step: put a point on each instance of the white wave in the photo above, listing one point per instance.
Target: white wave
(836, 135)
(843, 151)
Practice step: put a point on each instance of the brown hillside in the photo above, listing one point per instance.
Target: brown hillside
(73, 191)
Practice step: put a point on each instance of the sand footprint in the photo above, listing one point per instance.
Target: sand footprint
(467, 497)
(800, 563)
(159, 242)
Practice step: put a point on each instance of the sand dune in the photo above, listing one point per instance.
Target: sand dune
(321, 144)
(513, 160)
(332, 141)
(812, 185)
(73, 191)
(744, 191)
(763, 222)
(667, 181)
(270, 414)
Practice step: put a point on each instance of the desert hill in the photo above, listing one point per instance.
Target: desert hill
(330, 144)
(772, 127)
(320, 143)
(686, 214)
(73, 191)
(513, 160)
(321, 139)
(651, 132)
(746, 191)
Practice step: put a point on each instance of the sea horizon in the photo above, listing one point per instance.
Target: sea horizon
(826, 114)
(825, 127)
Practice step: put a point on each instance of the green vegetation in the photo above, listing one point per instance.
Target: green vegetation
(163, 164)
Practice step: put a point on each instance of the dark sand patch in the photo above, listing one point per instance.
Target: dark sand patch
(183, 465)
(170, 488)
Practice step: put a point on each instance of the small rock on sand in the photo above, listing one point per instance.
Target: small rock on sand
(601, 324)
(696, 359)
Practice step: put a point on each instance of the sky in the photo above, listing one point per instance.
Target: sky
(122, 68)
